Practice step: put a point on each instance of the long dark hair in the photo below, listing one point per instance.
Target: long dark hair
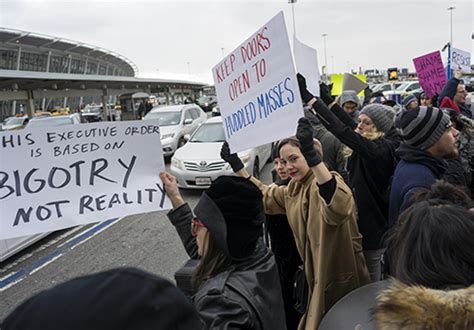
(433, 245)
(213, 262)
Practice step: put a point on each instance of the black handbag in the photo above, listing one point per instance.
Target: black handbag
(301, 287)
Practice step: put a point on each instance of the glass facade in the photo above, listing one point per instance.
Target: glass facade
(78, 66)
(91, 68)
(58, 64)
(8, 59)
(33, 61)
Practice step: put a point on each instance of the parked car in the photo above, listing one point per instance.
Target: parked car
(16, 122)
(175, 122)
(207, 102)
(93, 113)
(61, 120)
(216, 111)
(197, 164)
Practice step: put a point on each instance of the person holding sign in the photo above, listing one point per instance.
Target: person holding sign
(322, 215)
(371, 165)
(237, 277)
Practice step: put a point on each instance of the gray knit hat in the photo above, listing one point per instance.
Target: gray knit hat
(422, 127)
(349, 96)
(381, 115)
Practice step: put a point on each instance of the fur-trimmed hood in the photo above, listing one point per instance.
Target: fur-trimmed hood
(417, 307)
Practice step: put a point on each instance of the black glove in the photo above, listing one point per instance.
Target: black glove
(233, 160)
(325, 94)
(306, 96)
(304, 134)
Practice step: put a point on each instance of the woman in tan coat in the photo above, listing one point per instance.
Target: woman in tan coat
(320, 206)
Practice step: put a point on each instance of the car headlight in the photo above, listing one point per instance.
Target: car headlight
(166, 136)
(245, 158)
(177, 163)
(206, 104)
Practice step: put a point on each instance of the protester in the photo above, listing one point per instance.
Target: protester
(432, 254)
(122, 298)
(141, 110)
(334, 152)
(370, 165)
(283, 246)
(424, 100)
(321, 212)
(455, 90)
(428, 138)
(148, 106)
(410, 102)
(237, 278)
(350, 103)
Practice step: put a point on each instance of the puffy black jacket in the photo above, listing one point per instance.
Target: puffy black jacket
(246, 296)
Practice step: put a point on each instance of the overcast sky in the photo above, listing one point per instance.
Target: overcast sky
(170, 39)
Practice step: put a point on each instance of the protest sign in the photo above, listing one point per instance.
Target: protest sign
(461, 60)
(257, 90)
(352, 83)
(306, 60)
(58, 177)
(337, 83)
(430, 71)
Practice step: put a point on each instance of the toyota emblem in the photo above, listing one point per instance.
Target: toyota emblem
(203, 163)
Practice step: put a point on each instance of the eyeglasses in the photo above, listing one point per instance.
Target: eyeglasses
(195, 225)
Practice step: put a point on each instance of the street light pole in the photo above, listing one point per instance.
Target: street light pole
(325, 54)
(189, 68)
(293, 11)
(450, 41)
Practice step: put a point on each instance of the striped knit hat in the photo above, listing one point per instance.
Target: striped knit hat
(422, 126)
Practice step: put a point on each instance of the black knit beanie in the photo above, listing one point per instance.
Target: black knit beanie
(422, 127)
(232, 211)
(117, 299)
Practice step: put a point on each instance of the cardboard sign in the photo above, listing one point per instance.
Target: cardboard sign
(460, 60)
(431, 73)
(306, 60)
(352, 83)
(257, 89)
(337, 81)
(58, 177)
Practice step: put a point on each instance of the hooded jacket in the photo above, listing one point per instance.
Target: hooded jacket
(416, 307)
(334, 262)
(370, 167)
(247, 296)
(417, 169)
(450, 90)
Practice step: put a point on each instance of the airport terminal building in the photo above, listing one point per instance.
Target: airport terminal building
(45, 72)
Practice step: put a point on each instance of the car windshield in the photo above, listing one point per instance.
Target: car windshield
(91, 110)
(50, 121)
(206, 98)
(402, 86)
(165, 118)
(209, 133)
(14, 121)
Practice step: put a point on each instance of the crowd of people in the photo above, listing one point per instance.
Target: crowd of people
(363, 192)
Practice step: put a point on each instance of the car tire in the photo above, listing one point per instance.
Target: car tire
(256, 168)
(181, 142)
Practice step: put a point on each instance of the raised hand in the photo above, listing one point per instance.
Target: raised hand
(233, 160)
(306, 96)
(304, 134)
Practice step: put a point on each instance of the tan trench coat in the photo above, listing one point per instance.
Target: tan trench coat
(334, 263)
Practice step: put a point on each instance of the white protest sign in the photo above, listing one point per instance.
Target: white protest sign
(58, 177)
(461, 60)
(257, 89)
(306, 60)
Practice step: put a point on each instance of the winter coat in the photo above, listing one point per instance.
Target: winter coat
(417, 169)
(334, 262)
(246, 296)
(416, 307)
(450, 90)
(371, 168)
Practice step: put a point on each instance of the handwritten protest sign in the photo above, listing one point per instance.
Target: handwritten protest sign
(257, 89)
(430, 72)
(461, 60)
(57, 177)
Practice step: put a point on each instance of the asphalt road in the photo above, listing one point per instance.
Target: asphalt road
(147, 241)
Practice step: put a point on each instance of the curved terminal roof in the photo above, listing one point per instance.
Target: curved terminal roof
(55, 44)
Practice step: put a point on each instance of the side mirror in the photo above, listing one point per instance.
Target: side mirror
(188, 121)
(186, 137)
